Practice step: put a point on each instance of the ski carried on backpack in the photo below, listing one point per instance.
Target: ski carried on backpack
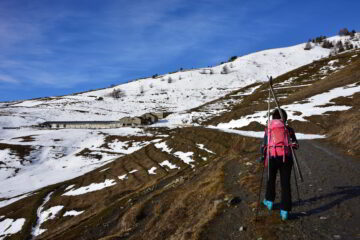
(288, 136)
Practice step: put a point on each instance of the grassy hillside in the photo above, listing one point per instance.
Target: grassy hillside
(183, 202)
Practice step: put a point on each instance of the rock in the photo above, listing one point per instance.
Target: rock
(323, 218)
(227, 197)
(242, 228)
(234, 201)
(337, 236)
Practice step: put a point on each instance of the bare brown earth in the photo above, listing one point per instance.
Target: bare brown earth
(217, 198)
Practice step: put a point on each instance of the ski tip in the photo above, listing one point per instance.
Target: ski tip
(270, 79)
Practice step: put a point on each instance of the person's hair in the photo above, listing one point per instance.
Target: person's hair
(276, 114)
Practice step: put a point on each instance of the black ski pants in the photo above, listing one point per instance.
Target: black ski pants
(276, 163)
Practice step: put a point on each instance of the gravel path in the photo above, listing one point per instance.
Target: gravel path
(329, 207)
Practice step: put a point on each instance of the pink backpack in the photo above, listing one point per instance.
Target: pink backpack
(278, 141)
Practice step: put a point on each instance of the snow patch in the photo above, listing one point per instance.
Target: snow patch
(163, 147)
(151, 171)
(185, 157)
(299, 136)
(169, 165)
(50, 213)
(72, 213)
(312, 106)
(91, 188)
(123, 177)
(69, 187)
(12, 200)
(10, 226)
(202, 147)
(36, 230)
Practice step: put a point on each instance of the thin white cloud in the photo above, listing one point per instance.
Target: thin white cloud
(62, 45)
(8, 79)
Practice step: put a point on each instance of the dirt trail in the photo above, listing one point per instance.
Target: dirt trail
(328, 209)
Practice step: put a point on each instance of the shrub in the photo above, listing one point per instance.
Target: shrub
(117, 93)
(340, 46)
(233, 58)
(225, 70)
(327, 44)
(155, 75)
(348, 45)
(352, 33)
(307, 46)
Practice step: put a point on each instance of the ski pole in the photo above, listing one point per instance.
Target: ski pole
(297, 187)
(282, 118)
(257, 207)
(268, 138)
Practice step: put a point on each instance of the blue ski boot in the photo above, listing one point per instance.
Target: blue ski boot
(284, 215)
(268, 204)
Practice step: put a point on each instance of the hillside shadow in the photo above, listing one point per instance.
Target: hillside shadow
(343, 193)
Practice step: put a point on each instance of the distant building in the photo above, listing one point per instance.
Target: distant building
(80, 124)
(160, 115)
(145, 119)
(149, 118)
(132, 121)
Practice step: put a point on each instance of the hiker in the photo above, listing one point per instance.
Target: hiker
(280, 159)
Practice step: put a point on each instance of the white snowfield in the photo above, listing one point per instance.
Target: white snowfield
(10, 226)
(190, 88)
(54, 159)
(315, 105)
(299, 136)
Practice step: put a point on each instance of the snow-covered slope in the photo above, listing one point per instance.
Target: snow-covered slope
(184, 90)
(54, 155)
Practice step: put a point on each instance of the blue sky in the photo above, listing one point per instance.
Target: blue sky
(51, 48)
